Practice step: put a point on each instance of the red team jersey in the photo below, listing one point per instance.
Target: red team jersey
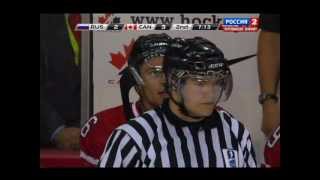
(272, 150)
(97, 130)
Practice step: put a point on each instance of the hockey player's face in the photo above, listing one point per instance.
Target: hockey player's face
(152, 93)
(200, 96)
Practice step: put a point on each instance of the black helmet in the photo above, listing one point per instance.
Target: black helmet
(145, 48)
(199, 57)
(196, 58)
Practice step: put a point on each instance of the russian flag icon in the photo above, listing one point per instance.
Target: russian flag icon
(80, 27)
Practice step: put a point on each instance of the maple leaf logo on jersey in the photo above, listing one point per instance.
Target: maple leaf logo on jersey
(119, 60)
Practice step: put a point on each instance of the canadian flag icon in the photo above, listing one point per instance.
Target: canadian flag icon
(129, 27)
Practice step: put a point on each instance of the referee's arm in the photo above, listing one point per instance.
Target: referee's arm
(121, 151)
(248, 151)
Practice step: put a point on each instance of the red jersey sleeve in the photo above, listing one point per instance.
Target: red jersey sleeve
(96, 131)
(272, 150)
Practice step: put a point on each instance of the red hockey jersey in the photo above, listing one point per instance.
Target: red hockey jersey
(97, 130)
(272, 150)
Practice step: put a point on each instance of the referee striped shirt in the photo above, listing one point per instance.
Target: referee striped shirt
(159, 138)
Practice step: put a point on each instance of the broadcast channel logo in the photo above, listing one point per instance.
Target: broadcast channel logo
(240, 24)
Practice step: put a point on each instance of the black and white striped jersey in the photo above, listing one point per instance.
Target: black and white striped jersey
(159, 138)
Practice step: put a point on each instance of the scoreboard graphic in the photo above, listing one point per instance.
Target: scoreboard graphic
(229, 25)
(141, 27)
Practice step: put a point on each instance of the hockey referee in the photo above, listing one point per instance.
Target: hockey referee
(189, 129)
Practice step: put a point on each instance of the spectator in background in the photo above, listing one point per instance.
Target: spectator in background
(59, 84)
(269, 75)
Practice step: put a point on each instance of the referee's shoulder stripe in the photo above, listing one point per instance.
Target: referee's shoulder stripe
(110, 141)
(154, 116)
(146, 125)
(164, 158)
(109, 144)
(150, 121)
(169, 138)
(146, 139)
(244, 138)
(224, 115)
(230, 121)
(226, 126)
(109, 157)
(237, 126)
(118, 155)
(155, 150)
(127, 158)
(220, 110)
(135, 136)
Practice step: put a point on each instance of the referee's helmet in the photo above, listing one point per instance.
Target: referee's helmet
(200, 58)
